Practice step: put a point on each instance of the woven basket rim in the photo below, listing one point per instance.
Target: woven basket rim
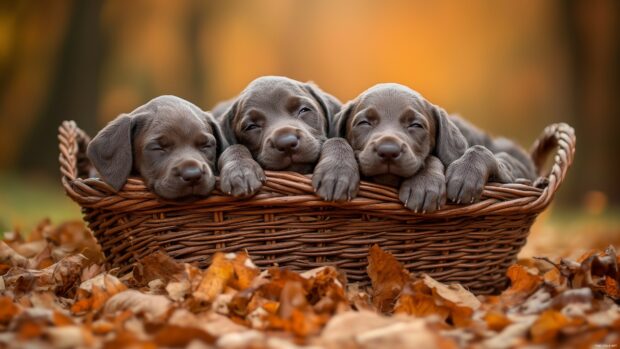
(290, 189)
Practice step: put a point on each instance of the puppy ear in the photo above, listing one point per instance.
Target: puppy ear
(222, 142)
(450, 144)
(329, 104)
(338, 126)
(225, 120)
(111, 151)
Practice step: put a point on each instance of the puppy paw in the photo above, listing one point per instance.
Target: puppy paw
(423, 192)
(465, 181)
(241, 178)
(336, 181)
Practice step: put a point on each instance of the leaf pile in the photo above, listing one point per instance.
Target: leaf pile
(55, 292)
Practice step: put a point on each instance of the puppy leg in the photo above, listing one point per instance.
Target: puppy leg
(240, 174)
(426, 190)
(336, 176)
(514, 156)
(467, 175)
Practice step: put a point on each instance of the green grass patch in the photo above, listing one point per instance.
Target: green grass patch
(25, 200)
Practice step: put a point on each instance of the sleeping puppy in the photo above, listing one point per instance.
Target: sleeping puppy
(401, 139)
(169, 141)
(278, 123)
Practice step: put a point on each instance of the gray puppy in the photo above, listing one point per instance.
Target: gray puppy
(401, 139)
(169, 141)
(277, 123)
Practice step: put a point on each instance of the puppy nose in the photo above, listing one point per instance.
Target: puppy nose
(191, 173)
(388, 150)
(286, 142)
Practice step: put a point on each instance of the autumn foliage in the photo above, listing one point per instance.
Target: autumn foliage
(56, 292)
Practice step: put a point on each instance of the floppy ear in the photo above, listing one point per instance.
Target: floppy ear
(224, 121)
(338, 126)
(329, 104)
(111, 152)
(222, 142)
(450, 144)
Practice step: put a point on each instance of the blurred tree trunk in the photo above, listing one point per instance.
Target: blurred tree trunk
(592, 37)
(73, 91)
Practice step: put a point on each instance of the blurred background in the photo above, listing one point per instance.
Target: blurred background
(511, 67)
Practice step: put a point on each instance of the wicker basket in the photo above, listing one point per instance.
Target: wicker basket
(285, 224)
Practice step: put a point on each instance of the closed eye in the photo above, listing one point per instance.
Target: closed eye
(303, 110)
(363, 123)
(160, 147)
(205, 145)
(250, 127)
(416, 125)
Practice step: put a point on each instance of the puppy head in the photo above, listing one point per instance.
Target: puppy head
(281, 121)
(393, 129)
(170, 142)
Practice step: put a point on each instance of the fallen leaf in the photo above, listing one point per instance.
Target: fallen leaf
(547, 326)
(8, 310)
(215, 278)
(420, 304)
(454, 293)
(177, 336)
(157, 265)
(11, 257)
(155, 306)
(522, 285)
(496, 321)
(388, 278)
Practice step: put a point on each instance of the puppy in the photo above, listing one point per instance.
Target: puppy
(401, 139)
(169, 141)
(278, 123)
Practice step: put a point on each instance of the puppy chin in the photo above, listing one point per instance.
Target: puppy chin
(374, 167)
(172, 189)
(302, 161)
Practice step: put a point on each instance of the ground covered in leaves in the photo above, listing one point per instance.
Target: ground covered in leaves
(55, 292)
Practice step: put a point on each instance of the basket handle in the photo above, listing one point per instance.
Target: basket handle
(72, 143)
(558, 136)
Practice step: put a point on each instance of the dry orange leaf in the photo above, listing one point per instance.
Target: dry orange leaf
(522, 285)
(157, 266)
(245, 271)
(388, 277)
(215, 278)
(496, 320)
(60, 319)
(419, 304)
(179, 337)
(8, 310)
(547, 326)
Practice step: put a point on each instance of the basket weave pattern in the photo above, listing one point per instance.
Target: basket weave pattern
(285, 224)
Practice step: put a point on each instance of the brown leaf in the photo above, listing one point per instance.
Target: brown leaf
(127, 339)
(157, 266)
(420, 304)
(215, 278)
(612, 288)
(154, 306)
(73, 237)
(177, 336)
(547, 326)
(496, 320)
(522, 285)
(94, 293)
(8, 310)
(69, 337)
(454, 293)
(43, 259)
(245, 271)
(388, 278)
(420, 300)
(11, 257)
